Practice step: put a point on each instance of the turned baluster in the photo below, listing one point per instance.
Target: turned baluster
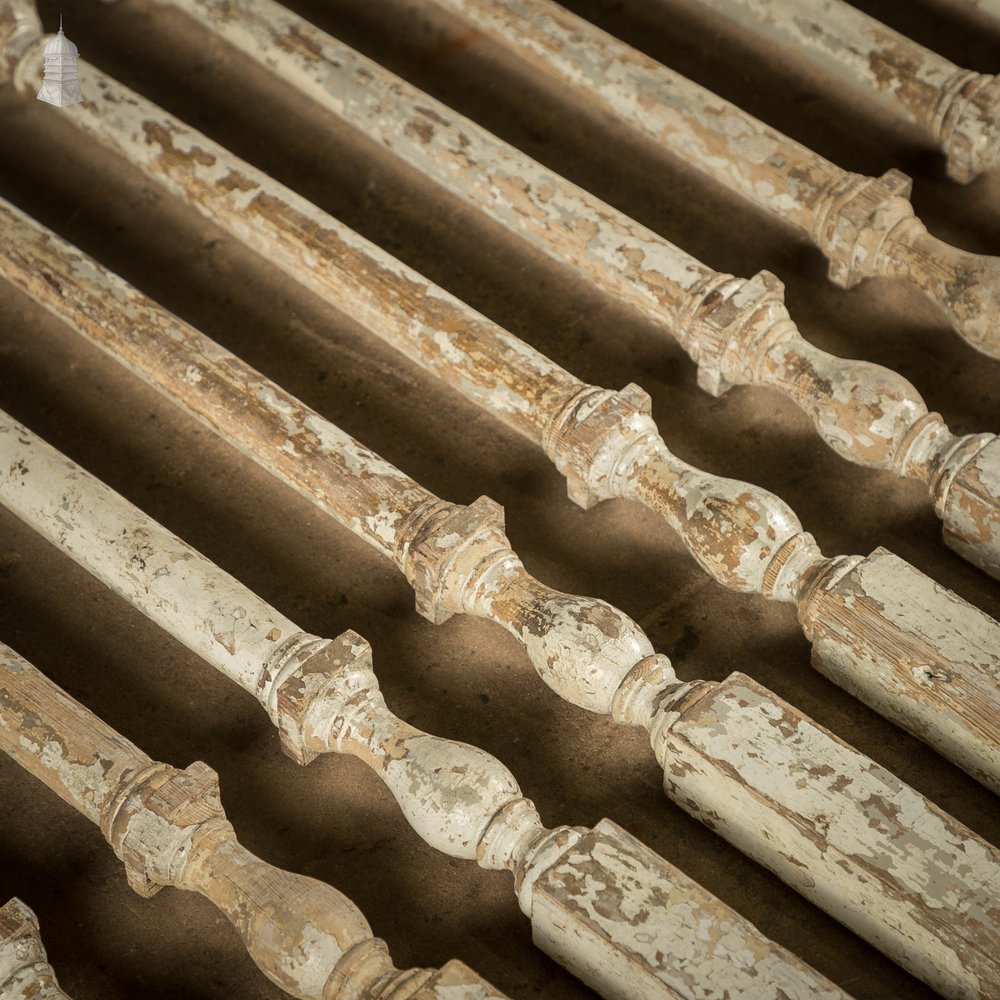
(605, 443)
(168, 828)
(958, 108)
(459, 560)
(738, 331)
(25, 973)
(864, 225)
(659, 939)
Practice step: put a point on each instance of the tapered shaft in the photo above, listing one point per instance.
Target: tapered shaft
(738, 331)
(957, 108)
(464, 562)
(660, 938)
(864, 225)
(25, 973)
(866, 636)
(168, 828)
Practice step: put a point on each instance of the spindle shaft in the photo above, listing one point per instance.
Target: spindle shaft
(168, 828)
(589, 652)
(737, 330)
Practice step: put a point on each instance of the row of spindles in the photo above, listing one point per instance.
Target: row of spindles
(154, 472)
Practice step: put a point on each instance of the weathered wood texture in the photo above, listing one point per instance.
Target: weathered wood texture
(737, 331)
(722, 766)
(604, 442)
(958, 108)
(25, 973)
(661, 938)
(647, 694)
(168, 828)
(864, 225)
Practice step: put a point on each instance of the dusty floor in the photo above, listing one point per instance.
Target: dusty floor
(463, 679)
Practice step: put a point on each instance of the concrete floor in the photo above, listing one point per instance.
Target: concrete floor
(464, 679)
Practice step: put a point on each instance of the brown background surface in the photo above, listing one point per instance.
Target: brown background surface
(465, 679)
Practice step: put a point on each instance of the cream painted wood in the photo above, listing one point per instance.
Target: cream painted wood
(168, 828)
(957, 108)
(25, 973)
(864, 225)
(605, 443)
(664, 936)
(738, 331)
(465, 563)
(661, 938)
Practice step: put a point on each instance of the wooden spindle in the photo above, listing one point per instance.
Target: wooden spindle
(168, 828)
(864, 225)
(605, 443)
(738, 331)
(661, 937)
(25, 973)
(589, 652)
(958, 109)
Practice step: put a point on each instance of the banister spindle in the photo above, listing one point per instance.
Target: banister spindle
(25, 973)
(957, 108)
(738, 331)
(864, 225)
(458, 559)
(659, 940)
(168, 828)
(605, 443)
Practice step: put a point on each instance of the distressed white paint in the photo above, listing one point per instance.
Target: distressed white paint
(738, 331)
(957, 108)
(425, 548)
(604, 442)
(458, 798)
(169, 829)
(932, 887)
(25, 973)
(945, 669)
(676, 926)
(864, 225)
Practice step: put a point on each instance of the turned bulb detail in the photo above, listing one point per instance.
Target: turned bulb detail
(458, 559)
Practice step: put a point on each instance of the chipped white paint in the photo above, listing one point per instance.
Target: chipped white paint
(865, 226)
(480, 575)
(439, 538)
(665, 907)
(25, 973)
(605, 443)
(168, 828)
(934, 885)
(947, 666)
(324, 696)
(738, 331)
(957, 108)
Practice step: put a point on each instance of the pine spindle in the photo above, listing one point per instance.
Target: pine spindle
(25, 973)
(459, 560)
(864, 225)
(660, 939)
(168, 828)
(958, 109)
(738, 331)
(605, 443)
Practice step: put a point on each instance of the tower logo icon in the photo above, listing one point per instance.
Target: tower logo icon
(60, 85)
